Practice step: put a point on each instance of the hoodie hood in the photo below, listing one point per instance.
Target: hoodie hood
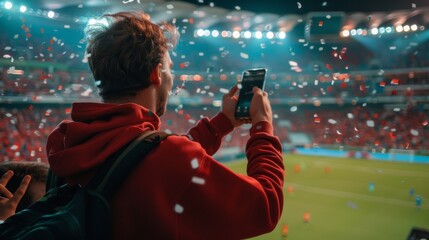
(96, 131)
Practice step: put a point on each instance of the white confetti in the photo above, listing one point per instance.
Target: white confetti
(350, 115)
(293, 63)
(370, 123)
(178, 208)
(198, 180)
(414, 132)
(194, 163)
(332, 121)
(190, 137)
(293, 109)
(223, 90)
(299, 5)
(244, 55)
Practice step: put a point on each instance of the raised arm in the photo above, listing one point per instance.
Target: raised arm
(9, 201)
(235, 206)
(210, 132)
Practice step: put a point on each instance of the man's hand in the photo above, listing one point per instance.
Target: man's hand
(229, 101)
(9, 201)
(260, 107)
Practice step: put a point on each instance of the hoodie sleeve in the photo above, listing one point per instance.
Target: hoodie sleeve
(210, 132)
(224, 205)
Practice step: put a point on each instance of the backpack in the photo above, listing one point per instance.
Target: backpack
(77, 212)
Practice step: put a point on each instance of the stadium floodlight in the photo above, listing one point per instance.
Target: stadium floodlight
(389, 29)
(23, 9)
(374, 31)
(236, 34)
(247, 34)
(345, 33)
(399, 28)
(281, 35)
(382, 30)
(200, 32)
(51, 14)
(206, 33)
(226, 34)
(359, 31)
(258, 34)
(8, 5)
(406, 28)
(215, 33)
(270, 35)
(414, 27)
(353, 32)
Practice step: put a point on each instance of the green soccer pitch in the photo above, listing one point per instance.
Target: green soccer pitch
(351, 199)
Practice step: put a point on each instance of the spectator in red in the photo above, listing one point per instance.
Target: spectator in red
(179, 191)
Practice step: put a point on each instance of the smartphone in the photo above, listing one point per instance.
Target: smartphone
(250, 78)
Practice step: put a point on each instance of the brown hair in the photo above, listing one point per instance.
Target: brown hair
(37, 171)
(123, 49)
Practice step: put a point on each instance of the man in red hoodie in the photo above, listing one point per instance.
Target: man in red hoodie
(179, 191)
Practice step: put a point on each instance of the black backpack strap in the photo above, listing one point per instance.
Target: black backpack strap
(115, 170)
(53, 180)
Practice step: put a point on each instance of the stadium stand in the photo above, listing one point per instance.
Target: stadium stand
(367, 92)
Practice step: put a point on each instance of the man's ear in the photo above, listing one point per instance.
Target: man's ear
(155, 75)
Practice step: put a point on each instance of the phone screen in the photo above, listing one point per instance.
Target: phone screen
(250, 79)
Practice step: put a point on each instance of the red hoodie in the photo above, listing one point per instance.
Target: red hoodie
(179, 191)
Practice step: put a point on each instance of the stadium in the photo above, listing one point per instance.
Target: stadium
(348, 84)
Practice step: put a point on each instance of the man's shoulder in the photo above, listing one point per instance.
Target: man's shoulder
(176, 156)
(180, 144)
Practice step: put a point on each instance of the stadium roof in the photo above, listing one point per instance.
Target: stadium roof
(271, 6)
(249, 14)
(282, 15)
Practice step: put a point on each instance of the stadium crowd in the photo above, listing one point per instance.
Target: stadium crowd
(24, 130)
(315, 71)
